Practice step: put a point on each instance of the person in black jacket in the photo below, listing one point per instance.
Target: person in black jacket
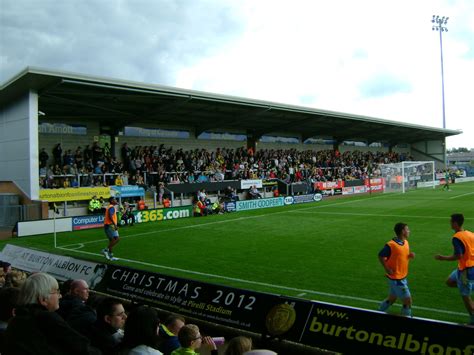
(141, 332)
(57, 154)
(73, 308)
(37, 328)
(106, 333)
(8, 303)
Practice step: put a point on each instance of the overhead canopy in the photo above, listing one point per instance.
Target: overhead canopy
(118, 103)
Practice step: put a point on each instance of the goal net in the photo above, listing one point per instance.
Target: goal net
(407, 175)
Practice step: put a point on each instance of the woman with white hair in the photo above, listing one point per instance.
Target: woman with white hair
(36, 327)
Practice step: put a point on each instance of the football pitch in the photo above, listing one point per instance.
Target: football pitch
(324, 251)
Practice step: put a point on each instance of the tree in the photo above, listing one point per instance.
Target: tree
(458, 150)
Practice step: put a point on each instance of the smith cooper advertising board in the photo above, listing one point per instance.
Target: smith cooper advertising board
(163, 214)
(260, 203)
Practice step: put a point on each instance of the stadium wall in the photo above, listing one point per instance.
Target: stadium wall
(19, 143)
(430, 150)
(185, 144)
(68, 141)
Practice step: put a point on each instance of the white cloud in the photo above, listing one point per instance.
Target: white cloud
(366, 57)
(328, 51)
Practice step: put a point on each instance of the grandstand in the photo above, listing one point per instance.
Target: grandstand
(66, 137)
(37, 104)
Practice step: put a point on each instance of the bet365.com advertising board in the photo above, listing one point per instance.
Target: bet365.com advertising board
(163, 214)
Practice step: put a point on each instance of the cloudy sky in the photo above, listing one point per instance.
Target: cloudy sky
(370, 57)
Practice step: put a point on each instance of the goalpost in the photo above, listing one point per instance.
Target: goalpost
(408, 175)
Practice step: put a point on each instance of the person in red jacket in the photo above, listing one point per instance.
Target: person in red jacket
(141, 204)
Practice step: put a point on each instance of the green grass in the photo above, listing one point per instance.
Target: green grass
(324, 251)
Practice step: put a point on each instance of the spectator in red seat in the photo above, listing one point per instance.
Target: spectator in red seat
(141, 204)
(200, 208)
(276, 192)
(37, 328)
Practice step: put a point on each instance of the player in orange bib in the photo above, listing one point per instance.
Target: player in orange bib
(394, 258)
(463, 276)
(111, 228)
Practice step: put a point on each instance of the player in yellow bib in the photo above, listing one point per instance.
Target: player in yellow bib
(463, 276)
(395, 257)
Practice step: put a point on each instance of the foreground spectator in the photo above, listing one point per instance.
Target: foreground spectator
(190, 339)
(141, 332)
(36, 327)
(169, 331)
(8, 303)
(15, 278)
(106, 333)
(73, 308)
(65, 288)
(238, 346)
(260, 352)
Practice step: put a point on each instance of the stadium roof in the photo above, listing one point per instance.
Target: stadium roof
(118, 103)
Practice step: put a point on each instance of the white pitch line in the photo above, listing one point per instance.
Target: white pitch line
(178, 228)
(262, 283)
(452, 198)
(79, 246)
(220, 222)
(340, 203)
(376, 215)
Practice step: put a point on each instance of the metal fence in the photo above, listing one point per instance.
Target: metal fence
(10, 214)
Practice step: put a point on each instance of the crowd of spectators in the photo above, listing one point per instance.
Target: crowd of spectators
(165, 165)
(39, 316)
